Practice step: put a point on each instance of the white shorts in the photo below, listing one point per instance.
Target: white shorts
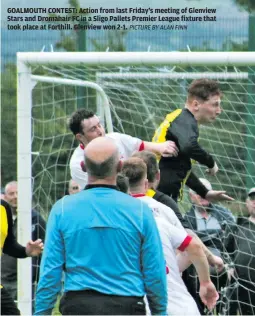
(184, 305)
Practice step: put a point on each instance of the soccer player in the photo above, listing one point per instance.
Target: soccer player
(110, 249)
(122, 183)
(181, 126)
(10, 246)
(180, 301)
(9, 263)
(153, 176)
(86, 126)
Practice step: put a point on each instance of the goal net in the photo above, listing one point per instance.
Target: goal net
(132, 93)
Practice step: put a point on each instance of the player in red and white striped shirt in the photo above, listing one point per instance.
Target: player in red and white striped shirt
(86, 126)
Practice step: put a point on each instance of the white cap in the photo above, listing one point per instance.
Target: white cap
(206, 183)
(252, 190)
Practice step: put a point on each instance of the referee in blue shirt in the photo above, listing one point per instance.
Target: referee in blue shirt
(108, 245)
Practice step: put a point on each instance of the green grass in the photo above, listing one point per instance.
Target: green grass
(56, 308)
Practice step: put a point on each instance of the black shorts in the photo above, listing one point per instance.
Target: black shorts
(8, 306)
(90, 302)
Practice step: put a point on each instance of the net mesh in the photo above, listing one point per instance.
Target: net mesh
(140, 97)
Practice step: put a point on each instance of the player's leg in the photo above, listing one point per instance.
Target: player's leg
(8, 306)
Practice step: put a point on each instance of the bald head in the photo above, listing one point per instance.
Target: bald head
(100, 149)
(101, 158)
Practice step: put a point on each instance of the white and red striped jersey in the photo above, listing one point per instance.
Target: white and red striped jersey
(126, 144)
(161, 210)
(180, 302)
(173, 238)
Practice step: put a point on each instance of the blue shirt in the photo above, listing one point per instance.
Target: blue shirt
(108, 241)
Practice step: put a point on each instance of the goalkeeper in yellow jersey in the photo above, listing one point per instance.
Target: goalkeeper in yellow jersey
(181, 126)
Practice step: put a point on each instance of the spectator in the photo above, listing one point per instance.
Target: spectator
(239, 243)
(73, 187)
(110, 249)
(10, 246)
(86, 126)
(9, 263)
(208, 221)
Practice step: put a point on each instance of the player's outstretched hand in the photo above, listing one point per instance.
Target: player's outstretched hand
(169, 149)
(218, 263)
(34, 248)
(212, 171)
(208, 294)
(217, 196)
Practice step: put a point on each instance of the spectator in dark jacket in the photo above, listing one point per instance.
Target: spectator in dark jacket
(240, 244)
(208, 221)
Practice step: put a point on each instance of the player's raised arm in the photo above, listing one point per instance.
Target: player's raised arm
(165, 149)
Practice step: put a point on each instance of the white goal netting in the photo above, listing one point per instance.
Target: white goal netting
(139, 97)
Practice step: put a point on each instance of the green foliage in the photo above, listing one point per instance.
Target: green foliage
(67, 43)
(115, 41)
(74, 4)
(52, 142)
(247, 5)
(76, 40)
(8, 124)
(230, 45)
(205, 47)
(70, 42)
